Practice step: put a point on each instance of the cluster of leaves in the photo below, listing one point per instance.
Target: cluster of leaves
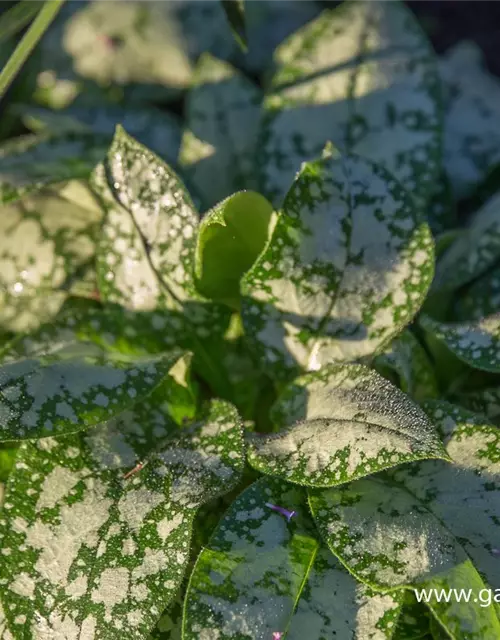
(250, 407)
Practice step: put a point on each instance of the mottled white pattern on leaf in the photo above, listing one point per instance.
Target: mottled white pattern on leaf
(477, 342)
(432, 523)
(363, 76)
(222, 119)
(347, 266)
(472, 111)
(342, 423)
(100, 549)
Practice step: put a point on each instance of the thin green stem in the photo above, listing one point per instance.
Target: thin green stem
(16, 18)
(28, 43)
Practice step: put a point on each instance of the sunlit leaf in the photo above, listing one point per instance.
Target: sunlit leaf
(476, 342)
(363, 76)
(72, 385)
(222, 119)
(341, 423)
(407, 359)
(248, 579)
(230, 238)
(31, 162)
(91, 550)
(430, 525)
(46, 244)
(472, 110)
(347, 267)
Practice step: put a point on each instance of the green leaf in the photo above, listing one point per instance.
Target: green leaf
(17, 17)
(222, 119)
(148, 240)
(129, 48)
(414, 620)
(343, 422)
(363, 76)
(169, 626)
(474, 252)
(71, 386)
(32, 162)
(260, 574)
(235, 14)
(247, 581)
(472, 99)
(47, 242)
(334, 605)
(156, 129)
(481, 298)
(230, 238)
(347, 267)
(477, 342)
(88, 550)
(408, 360)
(484, 401)
(430, 525)
(7, 458)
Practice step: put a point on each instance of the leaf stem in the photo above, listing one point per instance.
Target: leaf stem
(28, 43)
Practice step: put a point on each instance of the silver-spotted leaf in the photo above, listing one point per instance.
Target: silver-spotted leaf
(156, 129)
(476, 342)
(347, 267)
(93, 550)
(230, 238)
(246, 582)
(97, 51)
(408, 360)
(363, 76)
(151, 226)
(432, 525)
(333, 605)
(222, 120)
(474, 252)
(47, 241)
(32, 162)
(481, 298)
(483, 401)
(472, 109)
(169, 626)
(343, 422)
(72, 385)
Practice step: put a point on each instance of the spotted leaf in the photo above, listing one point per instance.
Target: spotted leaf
(157, 129)
(479, 299)
(472, 99)
(363, 76)
(342, 423)
(46, 245)
(71, 386)
(410, 364)
(247, 581)
(333, 605)
(347, 266)
(222, 119)
(169, 626)
(89, 550)
(432, 525)
(477, 342)
(32, 162)
(231, 237)
(472, 253)
(235, 14)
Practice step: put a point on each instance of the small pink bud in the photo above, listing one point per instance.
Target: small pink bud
(284, 512)
(277, 635)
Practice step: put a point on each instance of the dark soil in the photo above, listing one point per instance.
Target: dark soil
(448, 22)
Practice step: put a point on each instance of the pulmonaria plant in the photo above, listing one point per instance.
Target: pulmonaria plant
(237, 398)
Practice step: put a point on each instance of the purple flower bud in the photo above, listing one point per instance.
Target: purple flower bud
(284, 512)
(495, 552)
